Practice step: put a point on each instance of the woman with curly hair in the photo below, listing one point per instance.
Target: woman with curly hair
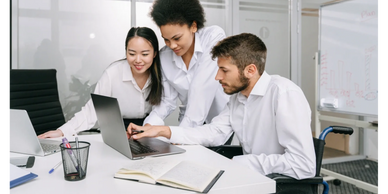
(188, 69)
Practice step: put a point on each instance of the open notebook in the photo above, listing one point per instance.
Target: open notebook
(23, 137)
(185, 174)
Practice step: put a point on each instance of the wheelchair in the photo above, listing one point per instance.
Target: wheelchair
(286, 184)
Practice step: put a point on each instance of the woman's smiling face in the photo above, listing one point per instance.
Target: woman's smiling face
(140, 54)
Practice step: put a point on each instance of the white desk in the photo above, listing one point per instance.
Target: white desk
(105, 161)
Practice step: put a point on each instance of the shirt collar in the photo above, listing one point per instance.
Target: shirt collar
(127, 72)
(197, 48)
(259, 89)
(128, 76)
(261, 85)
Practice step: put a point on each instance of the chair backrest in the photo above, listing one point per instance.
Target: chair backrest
(36, 91)
(229, 141)
(319, 146)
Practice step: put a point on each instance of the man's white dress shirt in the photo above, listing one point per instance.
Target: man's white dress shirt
(272, 124)
(202, 97)
(116, 81)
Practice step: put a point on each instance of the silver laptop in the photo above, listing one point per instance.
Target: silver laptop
(24, 139)
(114, 133)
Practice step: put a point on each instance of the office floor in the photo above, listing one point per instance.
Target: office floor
(332, 153)
(364, 170)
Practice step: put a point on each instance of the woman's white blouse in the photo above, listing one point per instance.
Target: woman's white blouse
(116, 81)
(202, 97)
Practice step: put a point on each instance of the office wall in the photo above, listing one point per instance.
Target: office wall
(80, 38)
(269, 19)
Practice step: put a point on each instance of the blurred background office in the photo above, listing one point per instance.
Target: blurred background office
(80, 38)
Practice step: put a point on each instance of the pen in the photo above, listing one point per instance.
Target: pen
(78, 155)
(72, 157)
(55, 167)
(76, 142)
(137, 131)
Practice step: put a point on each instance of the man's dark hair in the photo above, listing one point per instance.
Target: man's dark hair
(243, 49)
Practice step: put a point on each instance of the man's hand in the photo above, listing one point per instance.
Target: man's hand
(51, 134)
(148, 131)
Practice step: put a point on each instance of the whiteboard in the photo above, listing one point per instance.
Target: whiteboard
(348, 57)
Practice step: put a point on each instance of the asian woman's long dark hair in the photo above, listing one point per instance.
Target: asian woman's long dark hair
(156, 93)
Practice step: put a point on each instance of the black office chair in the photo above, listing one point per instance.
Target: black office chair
(36, 91)
(220, 149)
(229, 141)
(286, 184)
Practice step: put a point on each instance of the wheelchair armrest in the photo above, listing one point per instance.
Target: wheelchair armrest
(228, 150)
(279, 178)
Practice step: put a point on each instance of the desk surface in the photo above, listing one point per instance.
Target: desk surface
(105, 161)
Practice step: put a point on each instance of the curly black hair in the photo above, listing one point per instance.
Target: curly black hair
(178, 12)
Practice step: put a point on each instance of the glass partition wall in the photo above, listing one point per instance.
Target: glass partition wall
(80, 38)
(269, 19)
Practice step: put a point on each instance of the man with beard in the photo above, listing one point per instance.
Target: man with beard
(268, 113)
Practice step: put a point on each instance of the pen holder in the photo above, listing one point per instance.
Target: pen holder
(75, 160)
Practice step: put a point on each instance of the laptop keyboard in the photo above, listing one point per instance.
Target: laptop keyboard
(139, 148)
(48, 148)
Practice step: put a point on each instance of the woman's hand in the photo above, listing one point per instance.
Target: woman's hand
(51, 134)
